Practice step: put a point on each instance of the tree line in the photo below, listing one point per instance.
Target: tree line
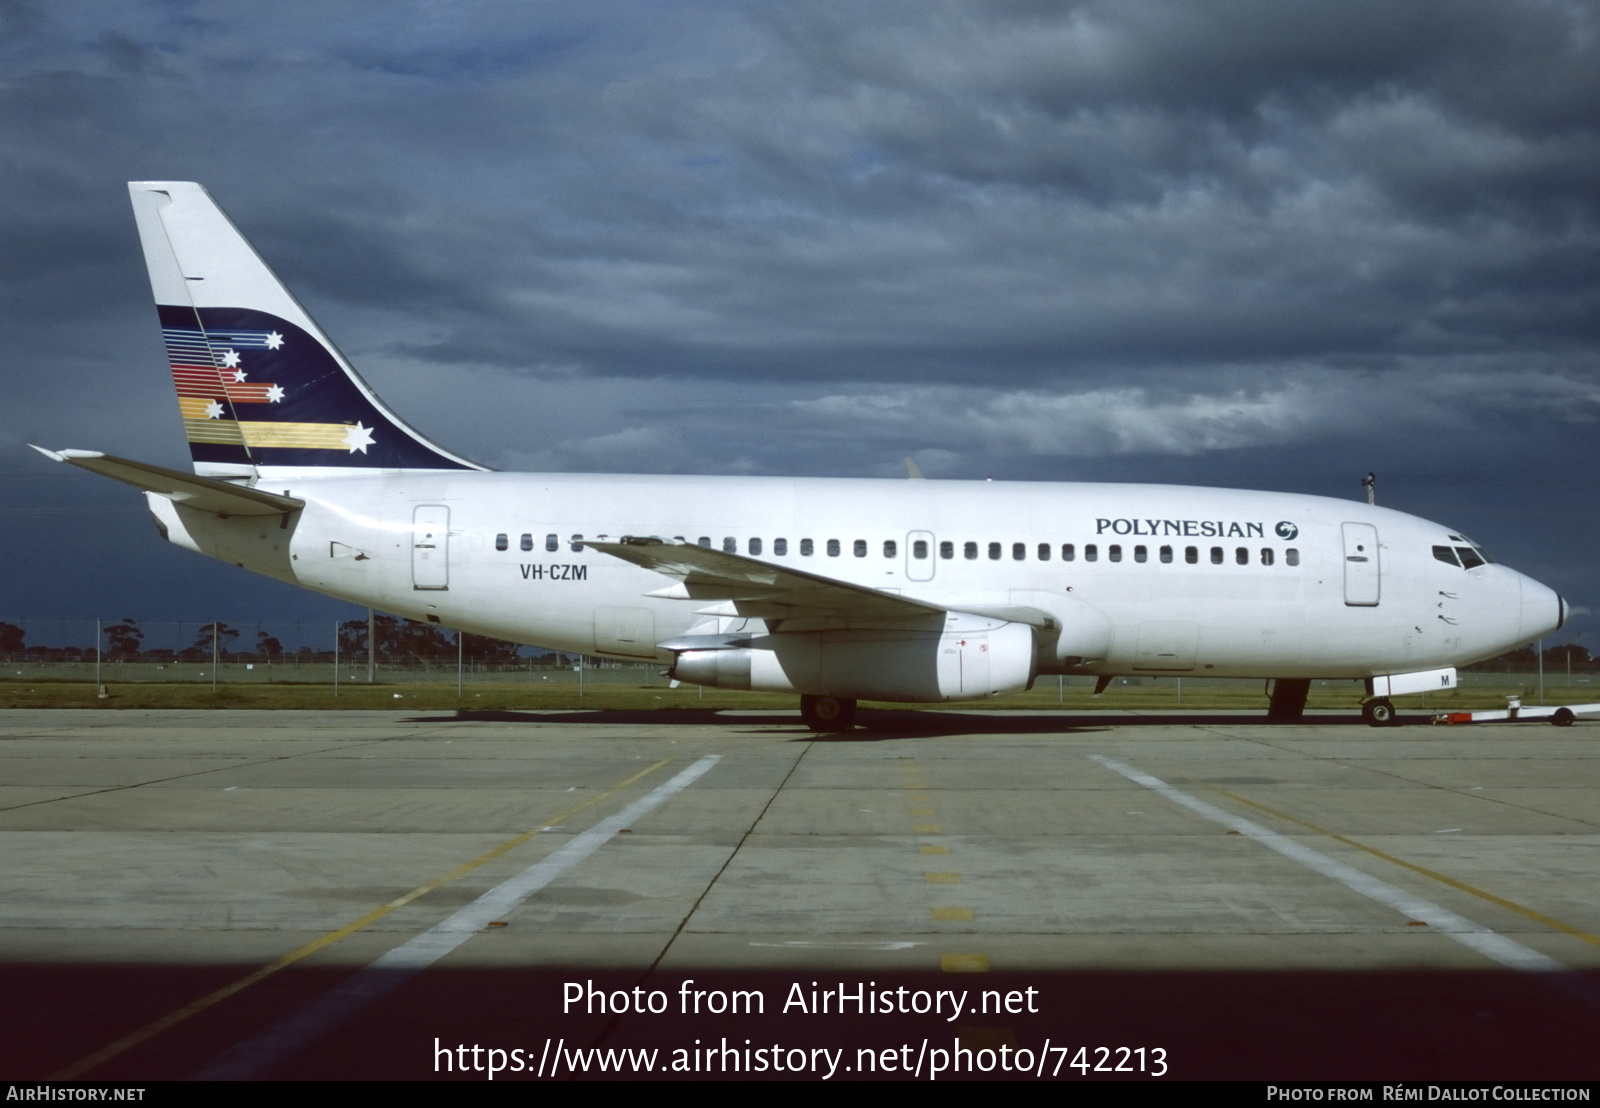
(399, 641)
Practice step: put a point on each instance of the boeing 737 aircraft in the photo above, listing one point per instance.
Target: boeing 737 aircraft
(834, 589)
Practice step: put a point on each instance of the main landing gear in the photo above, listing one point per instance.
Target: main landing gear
(1379, 712)
(1288, 700)
(828, 713)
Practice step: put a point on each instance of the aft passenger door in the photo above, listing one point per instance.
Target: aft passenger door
(430, 547)
(1361, 569)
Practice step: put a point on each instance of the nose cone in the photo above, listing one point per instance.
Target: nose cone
(1543, 611)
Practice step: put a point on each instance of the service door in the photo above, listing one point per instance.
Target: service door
(430, 547)
(920, 556)
(1361, 570)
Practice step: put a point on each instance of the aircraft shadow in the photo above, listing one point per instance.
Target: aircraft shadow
(873, 725)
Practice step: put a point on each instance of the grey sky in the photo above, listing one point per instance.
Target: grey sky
(1265, 244)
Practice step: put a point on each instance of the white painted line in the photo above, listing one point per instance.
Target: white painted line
(1490, 944)
(376, 980)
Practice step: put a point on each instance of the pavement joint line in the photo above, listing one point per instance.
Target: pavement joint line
(382, 976)
(1443, 879)
(172, 1019)
(1392, 774)
(1491, 944)
(200, 773)
(612, 1023)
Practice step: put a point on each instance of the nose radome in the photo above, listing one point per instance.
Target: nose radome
(1543, 610)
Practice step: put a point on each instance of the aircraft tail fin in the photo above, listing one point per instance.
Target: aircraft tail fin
(261, 389)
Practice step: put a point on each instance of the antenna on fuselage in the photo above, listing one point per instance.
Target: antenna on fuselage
(1370, 483)
(913, 470)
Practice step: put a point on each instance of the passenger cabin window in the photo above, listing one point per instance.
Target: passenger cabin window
(1114, 552)
(1469, 557)
(919, 550)
(807, 548)
(1091, 552)
(780, 547)
(833, 548)
(500, 542)
(1166, 553)
(577, 544)
(890, 549)
(552, 543)
(1068, 552)
(859, 548)
(947, 550)
(1141, 554)
(1291, 557)
(754, 546)
(1266, 555)
(527, 542)
(1044, 552)
(1191, 554)
(1216, 555)
(969, 551)
(1019, 551)
(1446, 555)
(1242, 555)
(994, 552)
(705, 541)
(730, 545)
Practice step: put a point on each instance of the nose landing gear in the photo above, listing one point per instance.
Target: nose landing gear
(1379, 712)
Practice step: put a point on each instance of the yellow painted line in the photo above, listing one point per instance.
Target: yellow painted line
(926, 829)
(986, 1038)
(943, 878)
(149, 1030)
(922, 811)
(934, 849)
(917, 798)
(964, 963)
(1548, 921)
(953, 915)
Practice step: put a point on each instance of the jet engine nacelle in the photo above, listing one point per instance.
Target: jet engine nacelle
(971, 657)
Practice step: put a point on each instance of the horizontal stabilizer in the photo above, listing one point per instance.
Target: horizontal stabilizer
(204, 493)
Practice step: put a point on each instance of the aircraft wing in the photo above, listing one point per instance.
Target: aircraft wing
(192, 491)
(739, 586)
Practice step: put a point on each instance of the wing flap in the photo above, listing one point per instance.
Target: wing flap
(759, 590)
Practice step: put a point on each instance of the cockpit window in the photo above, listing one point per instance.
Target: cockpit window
(1445, 555)
(1470, 558)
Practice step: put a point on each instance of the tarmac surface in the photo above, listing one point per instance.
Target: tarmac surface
(347, 894)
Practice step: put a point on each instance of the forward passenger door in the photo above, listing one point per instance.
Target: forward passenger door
(1362, 572)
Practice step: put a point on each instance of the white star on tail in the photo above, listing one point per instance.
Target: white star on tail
(230, 358)
(238, 375)
(274, 393)
(358, 438)
(213, 410)
(274, 341)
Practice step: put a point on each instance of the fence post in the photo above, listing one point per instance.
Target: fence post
(99, 686)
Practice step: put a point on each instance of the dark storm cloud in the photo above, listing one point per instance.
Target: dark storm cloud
(1234, 243)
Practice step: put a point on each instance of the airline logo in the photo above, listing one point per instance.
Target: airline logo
(210, 371)
(1183, 528)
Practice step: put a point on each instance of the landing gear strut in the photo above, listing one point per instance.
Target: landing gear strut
(1379, 712)
(1288, 700)
(828, 713)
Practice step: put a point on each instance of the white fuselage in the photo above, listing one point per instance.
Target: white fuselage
(1276, 586)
